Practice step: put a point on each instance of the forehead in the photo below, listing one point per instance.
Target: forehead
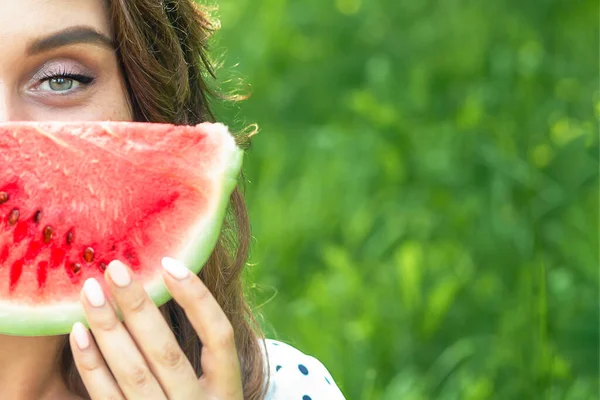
(23, 19)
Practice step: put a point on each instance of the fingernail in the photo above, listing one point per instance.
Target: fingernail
(93, 292)
(175, 268)
(118, 273)
(81, 336)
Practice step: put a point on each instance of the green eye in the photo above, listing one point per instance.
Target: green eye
(60, 84)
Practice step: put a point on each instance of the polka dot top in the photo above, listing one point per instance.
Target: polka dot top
(294, 375)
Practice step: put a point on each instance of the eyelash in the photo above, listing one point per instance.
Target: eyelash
(83, 79)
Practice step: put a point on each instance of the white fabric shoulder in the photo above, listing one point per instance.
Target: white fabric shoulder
(294, 375)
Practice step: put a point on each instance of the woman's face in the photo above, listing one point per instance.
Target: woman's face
(58, 62)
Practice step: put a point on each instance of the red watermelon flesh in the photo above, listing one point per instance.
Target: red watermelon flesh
(75, 196)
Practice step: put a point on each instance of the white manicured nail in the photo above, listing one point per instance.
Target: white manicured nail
(93, 292)
(81, 336)
(175, 268)
(119, 274)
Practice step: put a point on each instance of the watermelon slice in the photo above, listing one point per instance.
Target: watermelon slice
(75, 196)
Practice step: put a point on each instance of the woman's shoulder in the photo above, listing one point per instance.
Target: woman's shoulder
(295, 375)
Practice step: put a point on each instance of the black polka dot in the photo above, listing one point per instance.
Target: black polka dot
(275, 344)
(277, 368)
(327, 380)
(306, 397)
(303, 369)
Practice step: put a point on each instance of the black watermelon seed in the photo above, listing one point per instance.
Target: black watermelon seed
(13, 217)
(70, 237)
(88, 255)
(75, 268)
(48, 233)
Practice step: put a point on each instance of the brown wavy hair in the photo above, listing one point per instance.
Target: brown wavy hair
(162, 49)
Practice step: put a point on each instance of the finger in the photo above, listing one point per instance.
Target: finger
(118, 348)
(220, 363)
(152, 334)
(94, 372)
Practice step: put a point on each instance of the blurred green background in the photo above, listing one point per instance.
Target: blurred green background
(424, 190)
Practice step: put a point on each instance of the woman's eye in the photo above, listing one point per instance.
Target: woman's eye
(59, 84)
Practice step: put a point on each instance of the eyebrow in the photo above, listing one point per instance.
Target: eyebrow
(69, 36)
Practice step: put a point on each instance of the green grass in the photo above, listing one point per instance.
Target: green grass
(424, 190)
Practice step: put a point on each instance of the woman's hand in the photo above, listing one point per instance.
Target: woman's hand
(140, 358)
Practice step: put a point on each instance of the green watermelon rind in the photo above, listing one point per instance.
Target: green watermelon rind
(205, 243)
(58, 319)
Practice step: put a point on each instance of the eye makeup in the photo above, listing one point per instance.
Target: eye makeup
(63, 69)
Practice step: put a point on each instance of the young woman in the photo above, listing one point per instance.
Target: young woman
(141, 60)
